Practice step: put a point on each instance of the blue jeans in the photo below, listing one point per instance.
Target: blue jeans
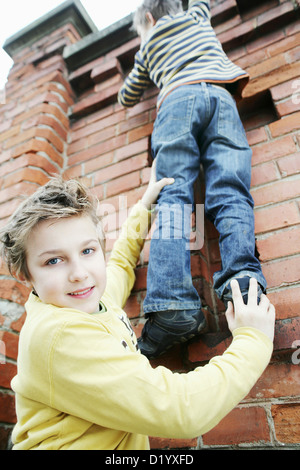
(199, 124)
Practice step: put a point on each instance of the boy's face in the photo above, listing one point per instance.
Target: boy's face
(66, 263)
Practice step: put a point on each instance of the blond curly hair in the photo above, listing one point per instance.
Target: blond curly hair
(56, 199)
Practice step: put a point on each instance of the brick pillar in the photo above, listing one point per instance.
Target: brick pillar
(34, 128)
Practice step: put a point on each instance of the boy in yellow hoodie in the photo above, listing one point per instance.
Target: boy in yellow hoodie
(81, 382)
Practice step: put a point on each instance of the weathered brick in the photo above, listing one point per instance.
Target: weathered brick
(286, 333)
(240, 426)
(289, 165)
(123, 184)
(272, 150)
(278, 191)
(287, 422)
(160, 443)
(282, 273)
(286, 301)
(11, 341)
(7, 408)
(280, 244)
(121, 168)
(13, 290)
(7, 373)
(278, 380)
(285, 125)
(264, 173)
(275, 217)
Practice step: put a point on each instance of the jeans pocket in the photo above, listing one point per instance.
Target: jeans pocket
(229, 123)
(174, 119)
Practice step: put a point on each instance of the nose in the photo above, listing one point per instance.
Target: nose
(77, 272)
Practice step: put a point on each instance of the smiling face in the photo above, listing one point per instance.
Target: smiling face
(66, 263)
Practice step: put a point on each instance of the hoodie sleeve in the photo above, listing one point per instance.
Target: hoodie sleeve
(119, 389)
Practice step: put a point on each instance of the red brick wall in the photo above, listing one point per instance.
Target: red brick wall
(57, 121)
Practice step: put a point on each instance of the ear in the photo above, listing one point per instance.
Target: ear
(150, 19)
(23, 280)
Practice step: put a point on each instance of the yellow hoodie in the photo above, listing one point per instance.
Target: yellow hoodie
(82, 384)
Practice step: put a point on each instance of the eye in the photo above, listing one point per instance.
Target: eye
(53, 261)
(88, 251)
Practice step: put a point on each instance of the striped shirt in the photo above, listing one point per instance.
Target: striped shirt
(181, 49)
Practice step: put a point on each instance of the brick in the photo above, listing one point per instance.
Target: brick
(11, 341)
(44, 108)
(14, 191)
(272, 150)
(208, 346)
(123, 184)
(277, 245)
(121, 168)
(14, 291)
(7, 209)
(36, 132)
(18, 324)
(279, 191)
(284, 45)
(9, 133)
(140, 132)
(278, 380)
(256, 136)
(286, 333)
(134, 122)
(276, 217)
(29, 159)
(103, 71)
(98, 125)
(132, 149)
(133, 307)
(264, 173)
(285, 125)
(236, 36)
(4, 437)
(240, 426)
(7, 373)
(46, 121)
(289, 165)
(161, 443)
(287, 422)
(267, 66)
(286, 301)
(100, 162)
(283, 90)
(274, 78)
(95, 102)
(26, 174)
(97, 150)
(7, 408)
(282, 272)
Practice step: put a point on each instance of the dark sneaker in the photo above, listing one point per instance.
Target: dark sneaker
(244, 288)
(165, 329)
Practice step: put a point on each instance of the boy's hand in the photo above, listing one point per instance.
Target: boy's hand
(154, 187)
(261, 317)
